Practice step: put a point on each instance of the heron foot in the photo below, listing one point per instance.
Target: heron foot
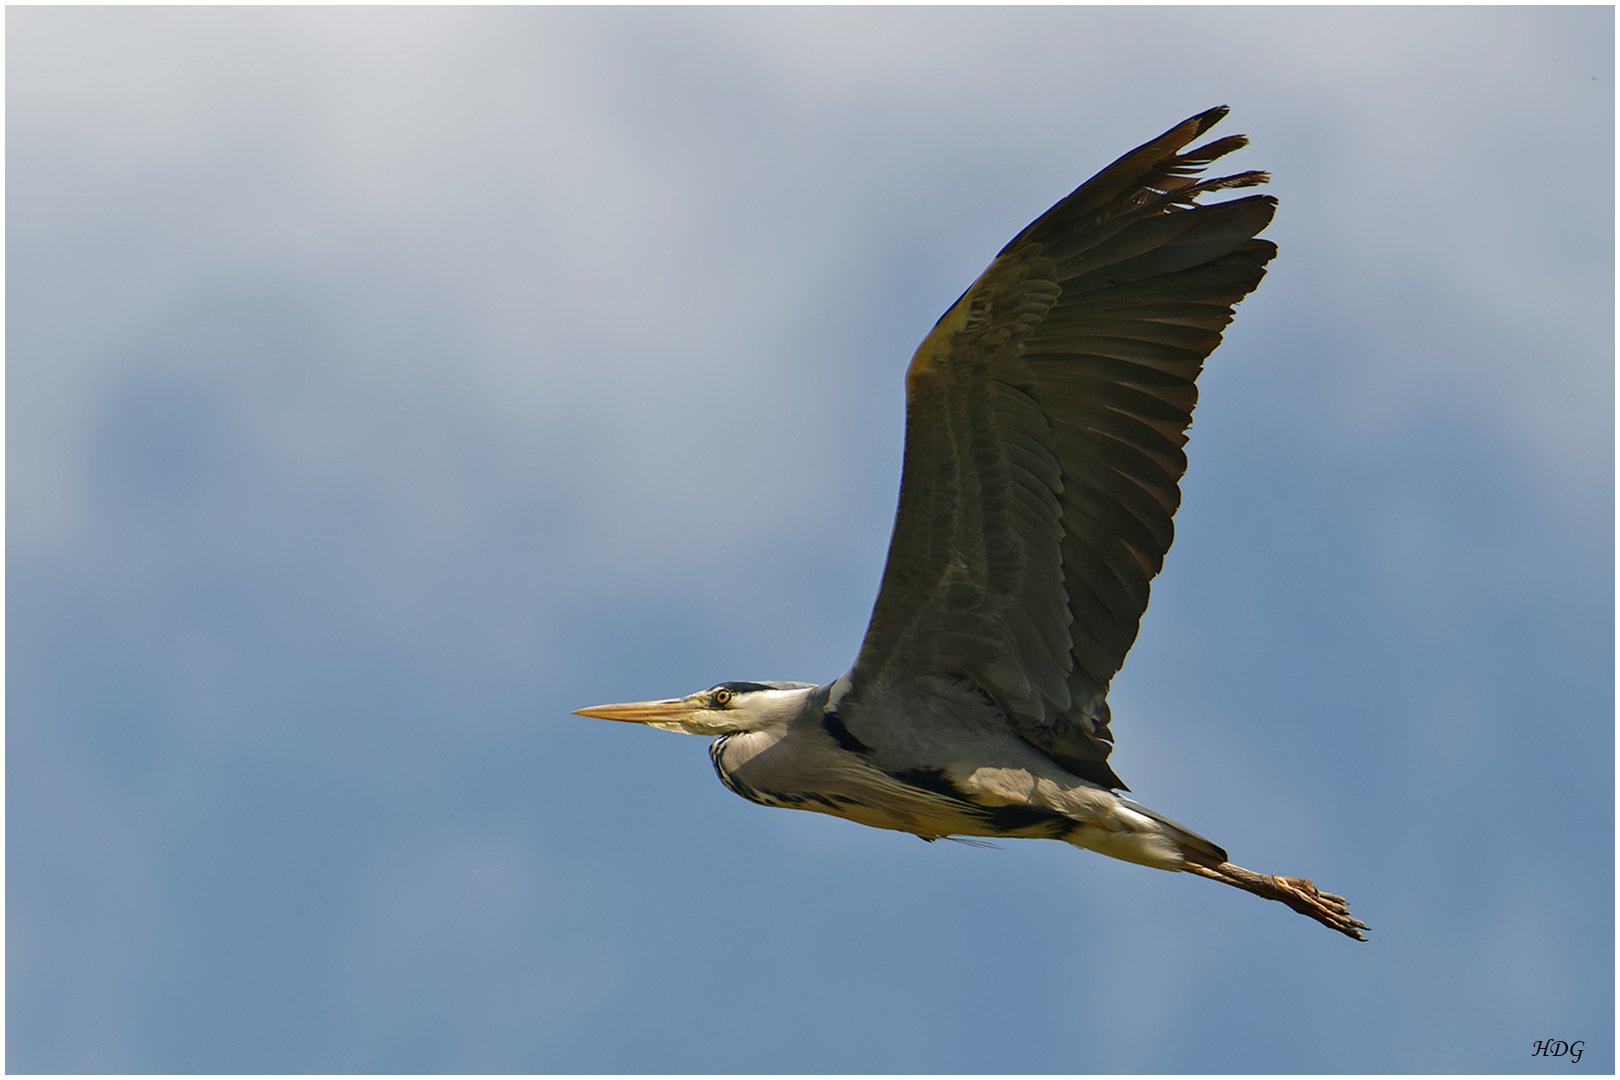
(1301, 894)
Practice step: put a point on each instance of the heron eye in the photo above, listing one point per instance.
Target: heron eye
(722, 696)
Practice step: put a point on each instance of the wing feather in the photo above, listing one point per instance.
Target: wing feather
(1046, 416)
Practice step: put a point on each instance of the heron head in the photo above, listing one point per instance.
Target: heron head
(721, 710)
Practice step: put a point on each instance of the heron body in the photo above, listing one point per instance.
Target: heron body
(1046, 415)
(804, 756)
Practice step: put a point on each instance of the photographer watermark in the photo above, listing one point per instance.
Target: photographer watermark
(1558, 1048)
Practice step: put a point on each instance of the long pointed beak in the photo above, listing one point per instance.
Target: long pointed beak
(668, 711)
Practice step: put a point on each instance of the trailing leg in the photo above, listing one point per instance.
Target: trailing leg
(1298, 893)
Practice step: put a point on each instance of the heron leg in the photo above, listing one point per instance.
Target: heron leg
(1298, 893)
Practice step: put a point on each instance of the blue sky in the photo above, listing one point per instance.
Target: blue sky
(385, 383)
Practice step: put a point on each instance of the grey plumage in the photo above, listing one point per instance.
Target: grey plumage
(1046, 416)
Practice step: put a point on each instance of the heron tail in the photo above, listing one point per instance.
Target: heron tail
(1196, 849)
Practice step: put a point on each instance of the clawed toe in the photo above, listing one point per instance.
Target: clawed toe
(1301, 894)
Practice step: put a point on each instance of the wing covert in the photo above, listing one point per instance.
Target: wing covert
(1045, 418)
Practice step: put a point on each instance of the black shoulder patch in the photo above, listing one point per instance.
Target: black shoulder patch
(933, 780)
(1001, 818)
(1015, 818)
(834, 726)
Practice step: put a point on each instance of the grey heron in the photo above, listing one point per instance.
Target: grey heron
(1046, 414)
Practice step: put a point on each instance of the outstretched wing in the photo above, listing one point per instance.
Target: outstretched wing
(1045, 418)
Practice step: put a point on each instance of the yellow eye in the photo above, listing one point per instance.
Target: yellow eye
(722, 696)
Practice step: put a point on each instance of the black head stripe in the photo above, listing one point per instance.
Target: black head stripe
(752, 687)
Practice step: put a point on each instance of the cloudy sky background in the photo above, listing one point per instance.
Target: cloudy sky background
(383, 384)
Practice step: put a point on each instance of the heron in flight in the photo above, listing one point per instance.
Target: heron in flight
(1045, 418)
